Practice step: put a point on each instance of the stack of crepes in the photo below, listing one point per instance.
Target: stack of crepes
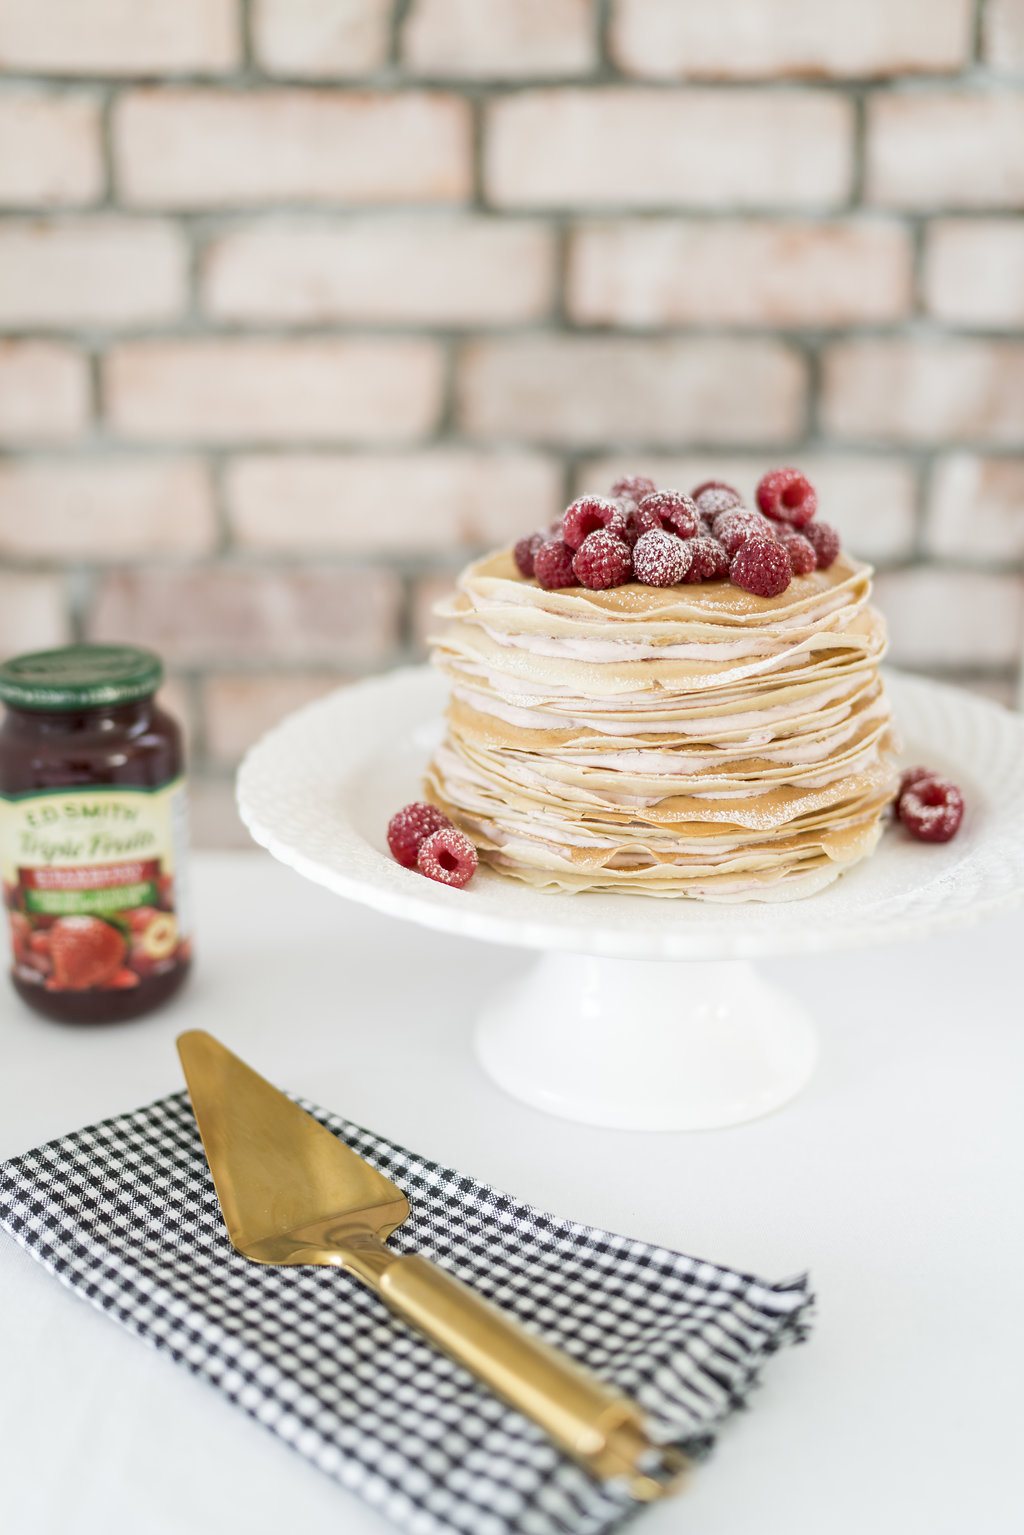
(691, 741)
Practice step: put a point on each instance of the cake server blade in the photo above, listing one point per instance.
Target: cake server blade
(291, 1192)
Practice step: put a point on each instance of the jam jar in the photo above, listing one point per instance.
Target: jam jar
(93, 833)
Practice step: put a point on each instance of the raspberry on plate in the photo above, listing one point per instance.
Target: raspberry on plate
(698, 490)
(824, 540)
(801, 553)
(761, 566)
(588, 514)
(552, 565)
(448, 857)
(525, 552)
(708, 560)
(787, 496)
(632, 487)
(602, 560)
(409, 827)
(913, 776)
(931, 809)
(660, 558)
(714, 499)
(670, 510)
(734, 527)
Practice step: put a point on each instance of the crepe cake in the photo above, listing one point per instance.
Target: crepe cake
(695, 739)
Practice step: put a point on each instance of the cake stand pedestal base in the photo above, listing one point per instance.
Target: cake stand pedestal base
(647, 1044)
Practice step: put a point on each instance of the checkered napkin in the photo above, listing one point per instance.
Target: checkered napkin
(125, 1214)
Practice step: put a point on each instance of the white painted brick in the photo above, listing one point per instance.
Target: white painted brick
(974, 272)
(925, 390)
(238, 709)
(342, 617)
(90, 271)
(49, 149)
(33, 612)
(44, 391)
(180, 148)
(108, 508)
(217, 390)
(748, 39)
(754, 271)
(870, 500)
(976, 508)
(321, 38)
(946, 149)
(445, 499)
(589, 390)
(457, 271)
(502, 40)
(651, 148)
(119, 37)
(1004, 35)
(955, 618)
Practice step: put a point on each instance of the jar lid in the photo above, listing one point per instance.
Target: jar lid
(79, 677)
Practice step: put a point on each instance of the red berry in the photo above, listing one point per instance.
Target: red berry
(589, 513)
(787, 496)
(761, 566)
(716, 499)
(632, 487)
(931, 809)
(801, 553)
(708, 561)
(448, 857)
(911, 777)
(409, 826)
(602, 560)
(824, 540)
(524, 553)
(86, 951)
(670, 510)
(733, 528)
(552, 565)
(704, 485)
(660, 558)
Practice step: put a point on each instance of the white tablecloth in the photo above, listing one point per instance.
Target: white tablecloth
(895, 1177)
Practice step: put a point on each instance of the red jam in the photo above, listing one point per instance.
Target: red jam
(93, 833)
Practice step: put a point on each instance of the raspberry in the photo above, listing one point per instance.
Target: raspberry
(911, 777)
(448, 857)
(708, 561)
(931, 809)
(660, 558)
(632, 487)
(669, 510)
(589, 513)
(552, 565)
(761, 566)
(524, 552)
(409, 826)
(704, 485)
(801, 553)
(714, 499)
(734, 527)
(824, 540)
(787, 496)
(602, 560)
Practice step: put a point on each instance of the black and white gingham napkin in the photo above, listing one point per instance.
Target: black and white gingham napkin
(125, 1214)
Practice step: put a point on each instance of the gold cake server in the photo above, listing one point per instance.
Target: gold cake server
(291, 1192)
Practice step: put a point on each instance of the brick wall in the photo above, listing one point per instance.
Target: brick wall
(304, 300)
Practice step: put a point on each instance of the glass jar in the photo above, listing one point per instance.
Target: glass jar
(93, 833)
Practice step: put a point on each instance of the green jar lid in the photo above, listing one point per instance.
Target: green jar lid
(79, 677)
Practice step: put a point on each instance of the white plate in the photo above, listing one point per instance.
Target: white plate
(318, 792)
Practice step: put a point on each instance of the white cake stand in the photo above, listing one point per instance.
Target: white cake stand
(609, 1027)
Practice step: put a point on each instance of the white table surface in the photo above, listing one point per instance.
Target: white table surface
(895, 1178)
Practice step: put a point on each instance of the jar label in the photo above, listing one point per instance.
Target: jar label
(94, 884)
